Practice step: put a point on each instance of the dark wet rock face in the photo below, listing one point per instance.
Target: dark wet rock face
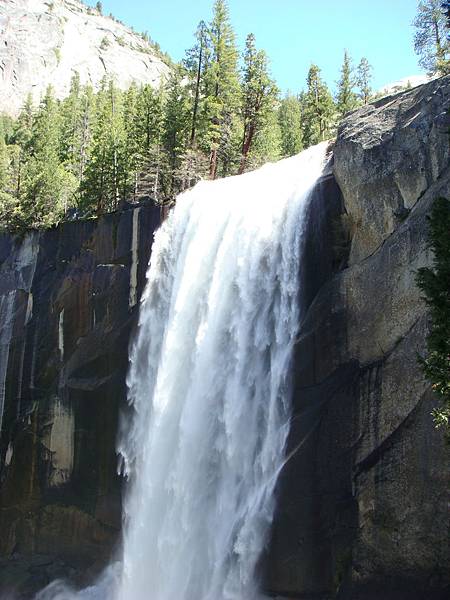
(362, 509)
(68, 304)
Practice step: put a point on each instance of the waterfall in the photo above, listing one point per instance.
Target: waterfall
(203, 442)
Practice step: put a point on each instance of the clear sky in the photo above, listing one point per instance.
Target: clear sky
(294, 33)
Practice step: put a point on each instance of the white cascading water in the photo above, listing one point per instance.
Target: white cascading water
(208, 385)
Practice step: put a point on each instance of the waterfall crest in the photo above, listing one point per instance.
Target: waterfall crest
(208, 387)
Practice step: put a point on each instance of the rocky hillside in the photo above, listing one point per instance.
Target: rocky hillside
(44, 42)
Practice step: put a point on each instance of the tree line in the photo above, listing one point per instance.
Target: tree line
(220, 113)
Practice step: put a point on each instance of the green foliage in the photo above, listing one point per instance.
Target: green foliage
(431, 43)
(346, 99)
(57, 52)
(46, 187)
(435, 284)
(196, 63)
(105, 43)
(76, 114)
(318, 109)
(363, 78)
(222, 90)
(213, 117)
(259, 96)
(290, 123)
(266, 146)
(106, 175)
(176, 121)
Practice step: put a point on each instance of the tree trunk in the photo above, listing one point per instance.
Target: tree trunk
(213, 164)
(197, 95)
(246, 146)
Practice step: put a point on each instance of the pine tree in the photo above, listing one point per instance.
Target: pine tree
(149, 131)
(106, 170)
(87, 120)
(196, 62)
(318, 109)
(363, 78)
(132, 154)
(11, 213)
(21, 139)
(76, 120)
(176, 124)
(193, 166)
(7, 128)
(430, 40)
(266, 146)
(346, 99)
(47, 186)
(434, 283)
(259, 94)
(222, 89)
(290, 121)
(4, 162)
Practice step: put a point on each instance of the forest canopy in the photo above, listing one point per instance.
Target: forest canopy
(219, 113)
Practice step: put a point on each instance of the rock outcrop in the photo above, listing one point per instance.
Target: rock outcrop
(363, 506)
(68, 303)
(45, 42)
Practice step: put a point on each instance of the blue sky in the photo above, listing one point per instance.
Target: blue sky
(294, 33)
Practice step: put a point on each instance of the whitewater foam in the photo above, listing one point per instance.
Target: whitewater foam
(203, 442)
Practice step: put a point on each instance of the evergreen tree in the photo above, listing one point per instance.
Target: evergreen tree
(435, 283)
(363, 78)
(87, 119)
(149, 126)
(222, 88)
(76, 121)
(266, 146)
(47, 186)
(21, 139)
(177, 123)
(193, 166)
(132, 154)
(11, 211)
(105, 170)
(4, 162)
(290, 122)
(346, 99)
(318, 109)
(7, 128)
(430, 40)
(259, 94)
(196, 63)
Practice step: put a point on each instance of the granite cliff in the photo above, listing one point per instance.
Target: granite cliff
(45, 42)
(362, 502)
(363, 505)
(68, 304)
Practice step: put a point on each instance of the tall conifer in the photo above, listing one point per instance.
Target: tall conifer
(289, 118)
(318, 109)
(363, 78)
(222, 88)
(259, 94)
(346, 99)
